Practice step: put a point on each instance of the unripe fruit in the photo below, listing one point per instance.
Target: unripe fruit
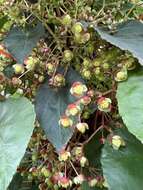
(18, 68)
(82, 127)
(78, 89)
(66, 20)
(104, 104)
(77, 28)
(68, 55)
(65, 121)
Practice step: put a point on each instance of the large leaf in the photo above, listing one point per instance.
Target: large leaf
(20, 42)
(123, 168)
(50, 106)
(129, 36)
(16, 126)
(130, 103)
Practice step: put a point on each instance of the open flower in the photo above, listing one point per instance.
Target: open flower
(78, 89)
(79, 179)
(65, 121)
(73, 110)
(64, 155)
(104, 104)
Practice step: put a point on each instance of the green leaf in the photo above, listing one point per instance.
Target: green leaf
(85, 186)
(20, 42)
(130, 103)
(123, 168)
(16, 182)
(16, 126)
(92, 150)
(50, 106)
(3, 20)
(129, 36)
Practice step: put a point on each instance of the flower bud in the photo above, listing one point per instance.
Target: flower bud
(77, 28)
(86, 73)
(68, 55)
(85, 100)
(79, 179)
(92, 182)
(83, 161)
(121, 75)
(64, 182)
(117, 142)
(45, 171)
(18, 69)
(58, 80)
(66, 20)
(30, 63)
(82, 127)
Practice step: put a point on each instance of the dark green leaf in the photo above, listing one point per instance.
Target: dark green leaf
(123, 168)
(93, 151)
(21, 42)
(129, 36)
(16, 126)
(50, 106)
(16, 182)
(3, 20)
(130, 103)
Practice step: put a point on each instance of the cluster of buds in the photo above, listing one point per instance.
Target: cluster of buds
(80, 91)
(104, 104)
(64, 182)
